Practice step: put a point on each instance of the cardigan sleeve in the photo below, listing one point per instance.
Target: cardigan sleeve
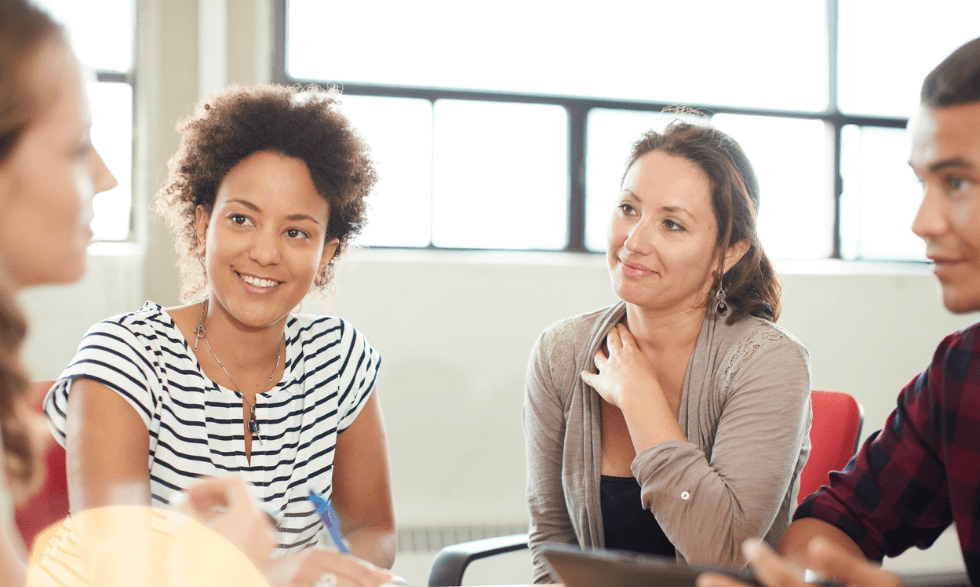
(544, 436)
(708, 504)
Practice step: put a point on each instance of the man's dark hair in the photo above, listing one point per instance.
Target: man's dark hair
(956, 80)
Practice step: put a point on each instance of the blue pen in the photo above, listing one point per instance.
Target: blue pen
(329, 517)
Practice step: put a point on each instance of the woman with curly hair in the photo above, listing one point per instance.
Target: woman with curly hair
(676, 421)
(265, 192)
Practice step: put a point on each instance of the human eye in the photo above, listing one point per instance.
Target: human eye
(672, 225)
(626, 208)
(240, 219)
(297, 233)
(955, 183)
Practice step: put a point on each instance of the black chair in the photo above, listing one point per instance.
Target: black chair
(451, 561)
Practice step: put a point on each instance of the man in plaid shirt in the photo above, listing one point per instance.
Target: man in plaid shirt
(921, 472)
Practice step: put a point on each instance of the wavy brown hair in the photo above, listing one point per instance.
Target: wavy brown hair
(751, 285)
(293, 121)
(24, 31)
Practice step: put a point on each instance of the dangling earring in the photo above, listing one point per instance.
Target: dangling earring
(720, 295)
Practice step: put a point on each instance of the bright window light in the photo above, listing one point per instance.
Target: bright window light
(888, 46)
(500, 176)
(880, 198)
(399, 132)
(790, 158)
(725, 53)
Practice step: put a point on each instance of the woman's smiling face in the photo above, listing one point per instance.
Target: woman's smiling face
(265, 240)
(663, 235)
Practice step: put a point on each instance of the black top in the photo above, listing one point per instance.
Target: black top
(626, 525)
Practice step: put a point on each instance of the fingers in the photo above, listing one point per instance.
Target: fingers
(590, 379)
(600, 359)
(209, 498)
(716, 580)
(351, 572)
(770, 569)
(841, 566)
(625, 335)
(225, 506)
(613, 339)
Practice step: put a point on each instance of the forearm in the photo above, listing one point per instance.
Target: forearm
(650, 419)
(374, 544)
(12, 568)
(799, 534)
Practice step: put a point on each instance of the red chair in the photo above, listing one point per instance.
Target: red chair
(834, 435)
(50, 504)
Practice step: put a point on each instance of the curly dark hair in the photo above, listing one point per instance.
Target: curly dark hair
(294, 121)
(751, 285)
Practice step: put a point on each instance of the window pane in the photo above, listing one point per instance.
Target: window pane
(880, 197)
(500, 175)
(759, 53)
(112, 135)
(888, 46)
(399, 132)
(610, 135)
(102, 36)
(790, 157)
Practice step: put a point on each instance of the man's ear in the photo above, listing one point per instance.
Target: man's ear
(329, 248)
(201, 221)
(735, 253)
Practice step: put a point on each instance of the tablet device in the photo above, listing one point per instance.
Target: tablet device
(616, 568)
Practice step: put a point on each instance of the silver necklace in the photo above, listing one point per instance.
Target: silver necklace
(199, 332)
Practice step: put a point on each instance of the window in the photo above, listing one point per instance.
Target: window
(111, 59)
(507, 125)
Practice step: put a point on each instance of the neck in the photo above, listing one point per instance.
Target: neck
(240, 345)
(660, 335)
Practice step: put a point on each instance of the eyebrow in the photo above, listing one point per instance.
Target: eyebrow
(955, 162)
(293, 217)
(671, 209)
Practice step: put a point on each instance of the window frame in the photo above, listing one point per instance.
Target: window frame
(129, 78)
(577, 109)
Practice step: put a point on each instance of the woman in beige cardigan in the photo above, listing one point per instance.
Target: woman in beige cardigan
(676, 421)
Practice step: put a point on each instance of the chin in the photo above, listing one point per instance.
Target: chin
(961, 304)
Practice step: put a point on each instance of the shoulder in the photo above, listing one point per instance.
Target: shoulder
(757, 342)
(958, 355)
(149, 323)
(309, 327)
(566, 335)
(316, 333)
(952, 378)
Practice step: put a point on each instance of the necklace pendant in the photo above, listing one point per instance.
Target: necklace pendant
(253, 424)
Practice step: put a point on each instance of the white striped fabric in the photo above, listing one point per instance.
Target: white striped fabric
(195, 425)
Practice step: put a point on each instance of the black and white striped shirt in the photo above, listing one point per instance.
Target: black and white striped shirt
(195, 425)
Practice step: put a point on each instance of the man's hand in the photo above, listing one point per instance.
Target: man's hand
(827, 560)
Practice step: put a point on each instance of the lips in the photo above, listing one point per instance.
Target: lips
(258, 282)
(635, 269)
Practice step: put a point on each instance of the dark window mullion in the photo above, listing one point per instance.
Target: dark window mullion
(577, 115)
(834, 110)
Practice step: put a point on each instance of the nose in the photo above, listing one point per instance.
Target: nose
(639, 239)
(932, 219)
(265, 247)
(102, 178)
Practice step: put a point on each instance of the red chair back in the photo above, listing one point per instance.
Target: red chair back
(834, 434)
(50, 504)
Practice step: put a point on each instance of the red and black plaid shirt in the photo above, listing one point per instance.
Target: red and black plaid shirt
(921, 472)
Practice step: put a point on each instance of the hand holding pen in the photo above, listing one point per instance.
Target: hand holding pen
(330, 520)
